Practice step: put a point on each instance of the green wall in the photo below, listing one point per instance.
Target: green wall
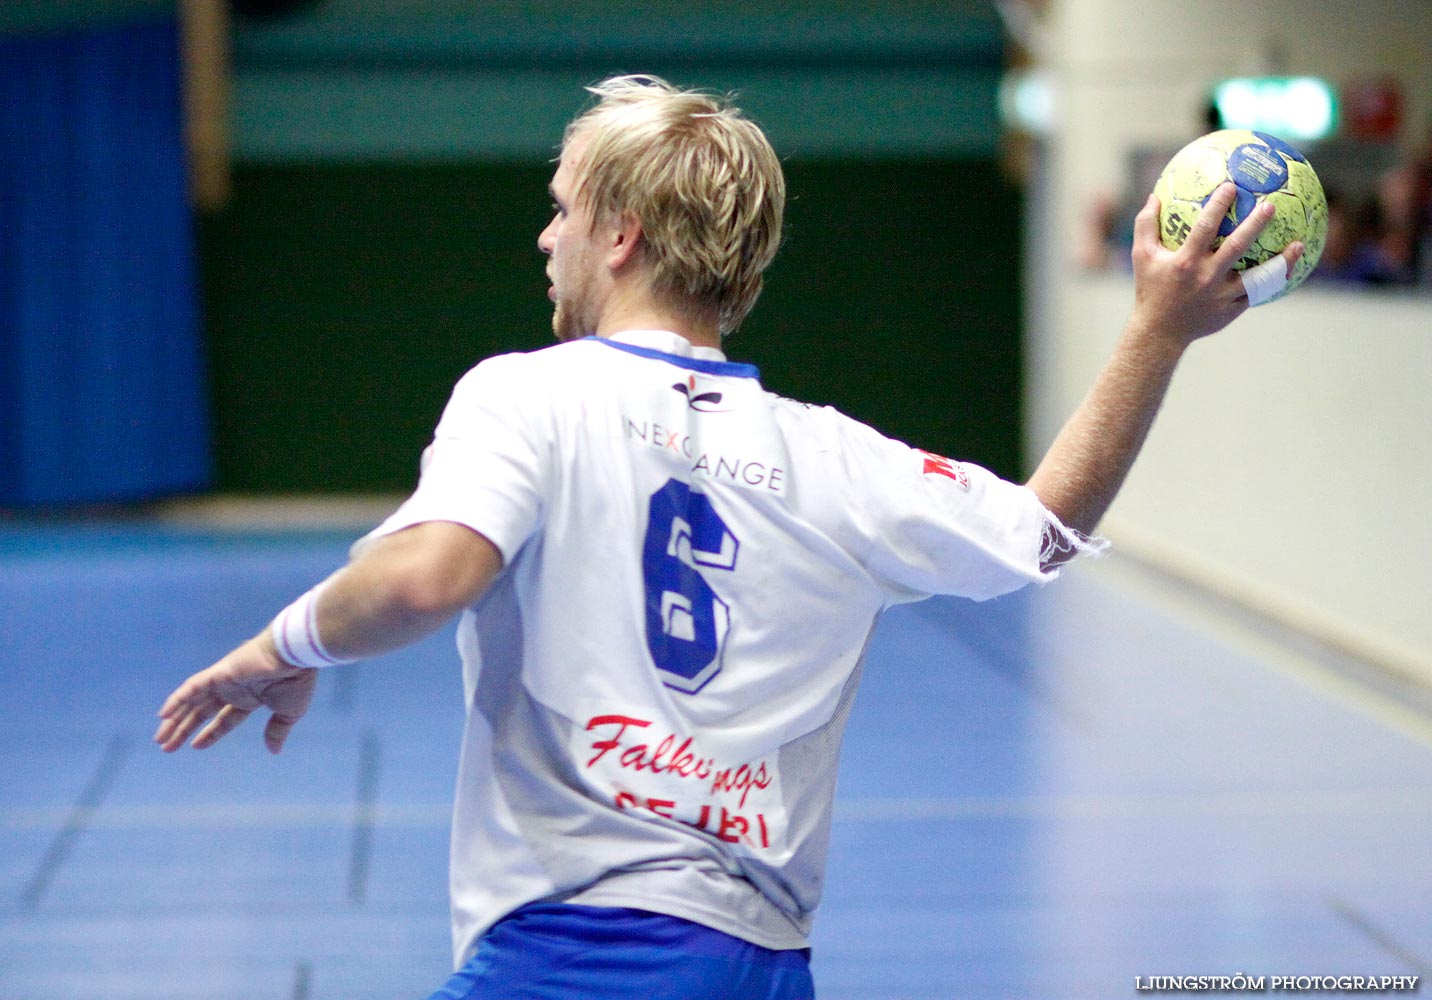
(343, 300)
(49, 16)
(433, 79)
(392, 165)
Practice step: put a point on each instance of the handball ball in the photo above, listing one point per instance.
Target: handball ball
(1264, 168)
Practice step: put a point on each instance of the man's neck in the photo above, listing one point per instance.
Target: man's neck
(650, 317)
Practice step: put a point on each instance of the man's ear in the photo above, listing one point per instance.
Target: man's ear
(625, 238)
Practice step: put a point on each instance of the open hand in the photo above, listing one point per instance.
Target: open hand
(1193, 291)
(224, 695)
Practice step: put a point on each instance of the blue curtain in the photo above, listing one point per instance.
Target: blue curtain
(101, 371)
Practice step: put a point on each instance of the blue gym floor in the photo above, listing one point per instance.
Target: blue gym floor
(1044, 796)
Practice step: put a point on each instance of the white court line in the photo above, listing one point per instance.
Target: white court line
(1244, 626)
(232, 816)
(1381, 804)
(1259, 804)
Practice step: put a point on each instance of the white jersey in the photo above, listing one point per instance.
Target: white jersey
(658, 681)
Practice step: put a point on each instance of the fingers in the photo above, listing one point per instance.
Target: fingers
(1210, 219)
(185, 696)
(173, 732)
(290, 700)
(1195, 290)
(224, 723)
(1241, 239)
(1146, 225)
(210, 694)
(1293, 253)
(1265, 281)
(188, 708)
(277, 730)
(165, 734)
(214, 702)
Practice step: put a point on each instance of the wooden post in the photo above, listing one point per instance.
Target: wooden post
(204, 40)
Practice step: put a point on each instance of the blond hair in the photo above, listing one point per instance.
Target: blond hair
(702, 179)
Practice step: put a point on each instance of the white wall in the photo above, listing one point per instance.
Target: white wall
(1292, 465)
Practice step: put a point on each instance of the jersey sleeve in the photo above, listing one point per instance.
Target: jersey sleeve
(931, 525)
(484, 466)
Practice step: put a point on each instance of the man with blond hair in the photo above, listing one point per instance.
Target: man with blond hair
(667, 575)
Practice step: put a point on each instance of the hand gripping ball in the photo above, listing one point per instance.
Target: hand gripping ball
(1264, 168)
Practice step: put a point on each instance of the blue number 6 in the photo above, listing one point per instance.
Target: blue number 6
(686, 623)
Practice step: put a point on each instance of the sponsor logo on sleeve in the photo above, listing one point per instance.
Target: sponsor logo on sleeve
(939, 465)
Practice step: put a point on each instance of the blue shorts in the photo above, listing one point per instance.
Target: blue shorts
(560, 951)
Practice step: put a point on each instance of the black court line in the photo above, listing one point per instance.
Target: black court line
(302, 981)
(77, 822)
(360, 856)
(1380, 937)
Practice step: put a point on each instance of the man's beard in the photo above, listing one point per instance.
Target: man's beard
(565, 325)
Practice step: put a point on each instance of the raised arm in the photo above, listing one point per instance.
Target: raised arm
(400, 588)
(1179, 296)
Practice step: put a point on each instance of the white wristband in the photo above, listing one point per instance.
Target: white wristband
(295, 633)
(1265, 281)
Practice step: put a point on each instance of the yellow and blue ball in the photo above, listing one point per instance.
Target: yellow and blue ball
(1263, 168)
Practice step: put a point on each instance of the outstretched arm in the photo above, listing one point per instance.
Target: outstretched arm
(400, 588)
(1179, 296)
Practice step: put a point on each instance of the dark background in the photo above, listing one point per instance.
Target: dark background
(342, 302)
(389, 165)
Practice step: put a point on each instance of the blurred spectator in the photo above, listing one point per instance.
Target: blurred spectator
(1424, 224)
(1400, 198)
(1336, 263)
(1354, 251)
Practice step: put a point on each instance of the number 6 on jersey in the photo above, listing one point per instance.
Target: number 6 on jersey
(686, 623)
